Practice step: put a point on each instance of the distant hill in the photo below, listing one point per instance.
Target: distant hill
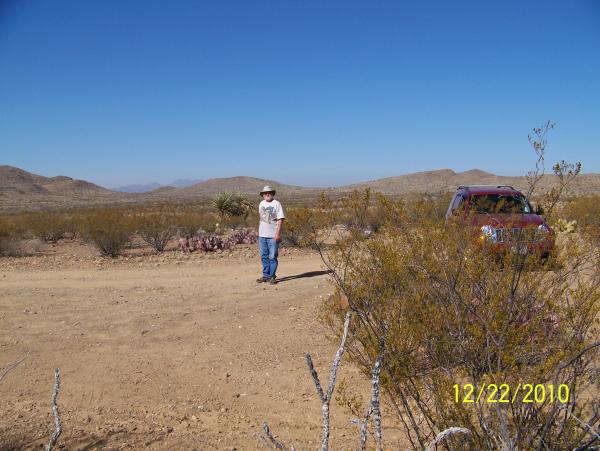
(182, 183)
(22, 182)
(242, 184)
(137, 188)
(147, 187)
(21, 190)
(443, 180)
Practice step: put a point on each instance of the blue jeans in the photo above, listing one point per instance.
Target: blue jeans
(268, 254)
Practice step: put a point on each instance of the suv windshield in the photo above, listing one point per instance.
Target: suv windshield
(499, 203)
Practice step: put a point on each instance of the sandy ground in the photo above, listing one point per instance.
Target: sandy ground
(165, 352)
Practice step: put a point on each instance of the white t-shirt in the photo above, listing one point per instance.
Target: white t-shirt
(269, 213)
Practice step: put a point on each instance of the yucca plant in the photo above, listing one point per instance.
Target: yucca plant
(229, 204)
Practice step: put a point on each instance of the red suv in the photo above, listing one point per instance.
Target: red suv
(503, 219)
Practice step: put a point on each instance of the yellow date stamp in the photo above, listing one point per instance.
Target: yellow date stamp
(507, 394)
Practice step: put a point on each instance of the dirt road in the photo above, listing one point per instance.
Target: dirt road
(175, 352)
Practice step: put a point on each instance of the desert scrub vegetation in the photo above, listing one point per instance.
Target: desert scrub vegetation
(190, 223)
(49, 226)
(108, 229)
(156, 229)
(438, 313)
(585, 211)
(300, 223)
(11, 236)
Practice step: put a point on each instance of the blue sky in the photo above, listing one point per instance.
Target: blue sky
(304, 92)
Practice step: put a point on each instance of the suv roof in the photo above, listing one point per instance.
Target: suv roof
(468, 189)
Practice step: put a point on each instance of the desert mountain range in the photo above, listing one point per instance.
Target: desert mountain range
(22, 190)
(145, 188)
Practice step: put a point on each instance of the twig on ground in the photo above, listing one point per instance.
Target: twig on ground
(12, 366)
(270, 441)
(55, 414)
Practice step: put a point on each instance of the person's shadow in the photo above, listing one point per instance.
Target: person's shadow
(303, 275)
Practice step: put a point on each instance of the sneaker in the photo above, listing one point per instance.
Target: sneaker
(262, 279)
(272, 280)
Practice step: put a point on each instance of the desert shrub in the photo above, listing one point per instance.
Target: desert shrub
(359, 212)
(156, 229)
(109, 230)
(299, 226)
(425, 207)
(189, 224)
(249, 219)
(586, 212)
(442, 314)
(10, 246)
(72, 226)
(47, 226)
(11, 243)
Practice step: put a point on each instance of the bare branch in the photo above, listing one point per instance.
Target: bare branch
(12, 366)
(445, 434)
(364, 426)
(375, 402)
(338, 357)
(326, 399)
(590, 429)
(588, 348)
(55, 414)
(315, 377)
(374, 407)
(539, 143)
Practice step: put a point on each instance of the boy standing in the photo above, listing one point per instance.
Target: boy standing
(271, 217)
